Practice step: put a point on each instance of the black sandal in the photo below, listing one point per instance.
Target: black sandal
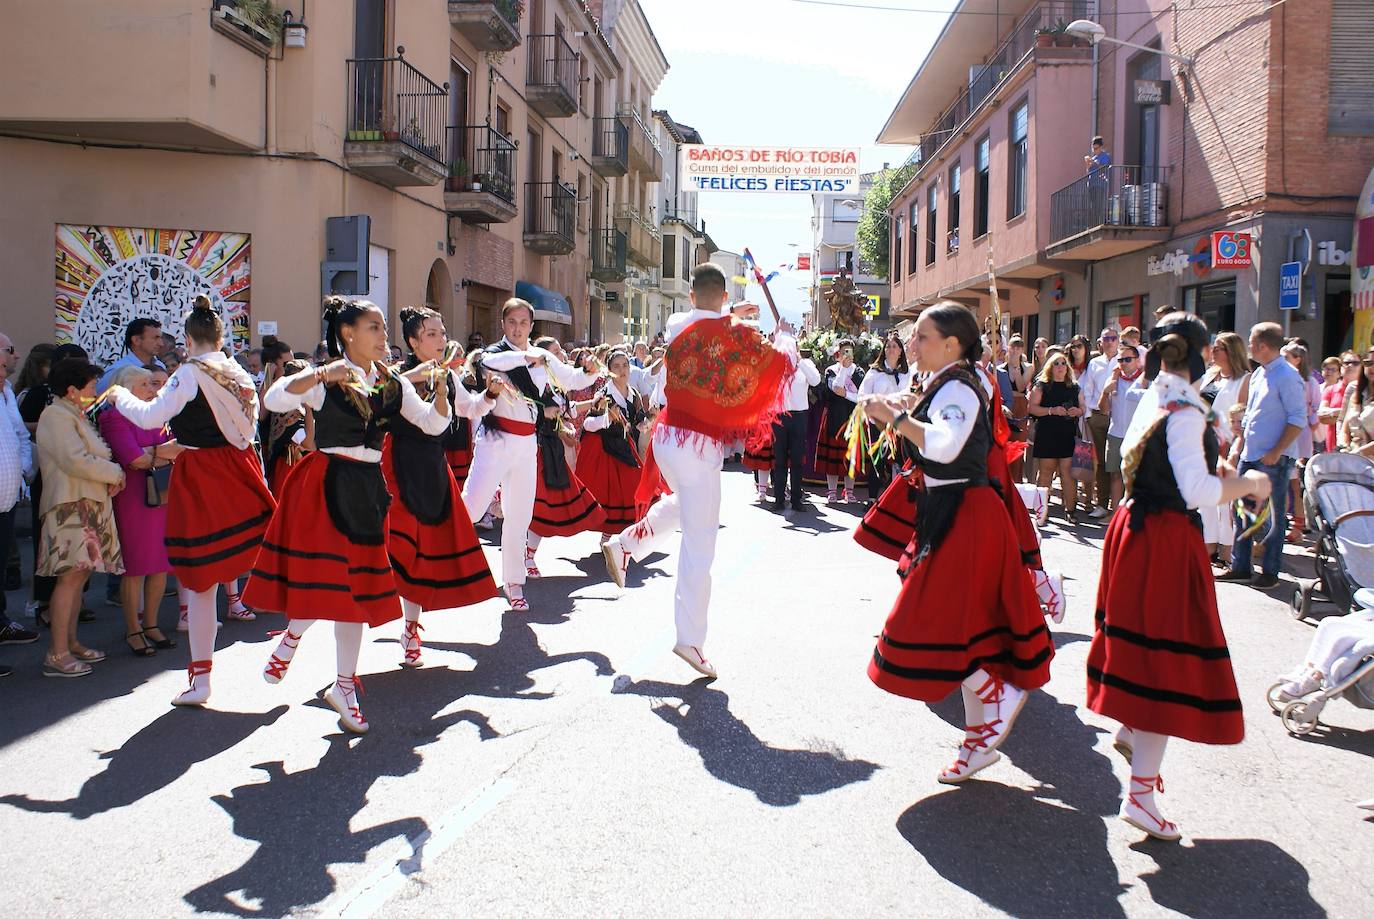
(147, 650)
(164, 642)
(86, 615)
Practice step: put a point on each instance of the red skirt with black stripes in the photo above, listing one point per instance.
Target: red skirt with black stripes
(969, 604)
(758, 449)
(439, 566)
(890, 524)
(564, 511)
(830, 451)
(308, 569)
(1159, 660)
(611, 483)
(1027, 535)
(218, 509)
(460, 464)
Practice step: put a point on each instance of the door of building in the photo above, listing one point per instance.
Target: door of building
(1338, 318)
(1214, 304)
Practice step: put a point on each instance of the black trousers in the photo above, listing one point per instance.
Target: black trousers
(6, 532)
(789, 447)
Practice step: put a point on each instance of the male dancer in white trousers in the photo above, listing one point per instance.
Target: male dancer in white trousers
(691, 466)
(505, 454)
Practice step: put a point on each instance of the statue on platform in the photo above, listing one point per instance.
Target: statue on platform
(846, 303)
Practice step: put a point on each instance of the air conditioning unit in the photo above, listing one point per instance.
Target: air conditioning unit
(595, 289)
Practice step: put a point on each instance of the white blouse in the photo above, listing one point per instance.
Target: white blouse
(878, 382)
(953, 413)
(601, 422)
(417, 411)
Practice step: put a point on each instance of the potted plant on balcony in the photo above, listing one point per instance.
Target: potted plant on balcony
(1044, 37)
(1062, 38)
(457, 174)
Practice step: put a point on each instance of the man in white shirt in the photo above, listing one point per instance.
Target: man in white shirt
(1093, 382)
(690, 463)
(143, 342)
(505, 449)
(789, 435)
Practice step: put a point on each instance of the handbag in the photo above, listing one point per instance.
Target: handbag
(158, 481)
(1084, 461)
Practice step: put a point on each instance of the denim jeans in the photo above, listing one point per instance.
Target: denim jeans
(1272, 562)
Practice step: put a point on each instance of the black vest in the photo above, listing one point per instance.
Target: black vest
(195, 425)
(422, 474)
(519, 378)
(972, 461)
(615, 440)
(838, 408)
(1155, 488)
(339, 424)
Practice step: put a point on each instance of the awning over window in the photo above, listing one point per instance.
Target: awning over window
(549, 305)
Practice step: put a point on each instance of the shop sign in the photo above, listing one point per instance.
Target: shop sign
(803, 262)
(1290, 285)
(1151, 92)
(1232, 250)
(1328, 253)
(874, 305)
(1180, 260)
(788, 170)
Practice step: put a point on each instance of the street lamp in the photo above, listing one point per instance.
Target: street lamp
(1093, 33)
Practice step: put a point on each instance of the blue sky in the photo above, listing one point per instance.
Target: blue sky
(780, 72)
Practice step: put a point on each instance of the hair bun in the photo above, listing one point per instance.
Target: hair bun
(407, 313)
(202, 302)
(1172, 348)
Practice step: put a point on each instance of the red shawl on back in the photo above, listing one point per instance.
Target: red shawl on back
(724, 380)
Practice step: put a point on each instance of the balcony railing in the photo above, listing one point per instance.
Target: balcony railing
(1114, 196)
(682, 215)
(550, 217)
(481, 175)
(645, 242)
(645, 152)
(551, 80)
(396, 122)
(1006, 58)
(608, 255)
(491, 25)
(610, 147)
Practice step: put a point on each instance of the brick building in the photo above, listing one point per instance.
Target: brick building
(1267, 131)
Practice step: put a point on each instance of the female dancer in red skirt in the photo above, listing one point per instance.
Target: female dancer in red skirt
(607, 455)
(966, 615)
(562, 504)
(325, 554)
(1159, 662)
(839, 393)
(218, 504)
(433, 547)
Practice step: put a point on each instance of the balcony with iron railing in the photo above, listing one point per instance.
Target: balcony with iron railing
(491, 25)
(1110, 211)
(550, 218)
(645, 242)
(397, 119)
(685, 216)
(609, 249)
(645, 153)
(610, 147)
(551, 78)
(1009, 56)
(481, 175)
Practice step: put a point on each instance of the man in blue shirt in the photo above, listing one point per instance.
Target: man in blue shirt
(1275, 414)
(143, 341)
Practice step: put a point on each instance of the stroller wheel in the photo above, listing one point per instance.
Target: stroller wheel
(1271, 695)
(1301, 604)
(1295, 718)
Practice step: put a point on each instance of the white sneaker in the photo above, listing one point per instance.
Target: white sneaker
(343, 698)
(693, 656)
(617, 560)
(1307, 683)
(486, 523)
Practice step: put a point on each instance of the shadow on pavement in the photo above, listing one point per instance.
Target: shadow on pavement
(506, 675)
(1229, 877)
(154, 758)
(733, 754)
(1015, 852)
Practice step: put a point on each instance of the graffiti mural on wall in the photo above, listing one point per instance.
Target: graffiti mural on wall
(107, 276)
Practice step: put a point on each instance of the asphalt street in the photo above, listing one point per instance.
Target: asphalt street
(563, 762)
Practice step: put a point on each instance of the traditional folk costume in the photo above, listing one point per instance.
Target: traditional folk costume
(434, 549)
(722, 378)
(218, 503)
(966, 615)
(286, 437)
(882, 381)
(831, 449)
(325, 554)
(758, 457)
(1159, 663)
(887, 529)
(608, 460)
(508, 455)
(457, 442)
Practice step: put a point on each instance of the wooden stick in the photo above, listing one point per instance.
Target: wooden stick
(763, 282)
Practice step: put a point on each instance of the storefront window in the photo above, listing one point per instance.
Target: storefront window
(1065, 325)
(1338, 331)
(1214, 304)
(1120, 313)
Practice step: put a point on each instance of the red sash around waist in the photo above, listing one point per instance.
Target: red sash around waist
(512, 427)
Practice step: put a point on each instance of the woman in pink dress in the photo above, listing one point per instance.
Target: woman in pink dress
(142, 529)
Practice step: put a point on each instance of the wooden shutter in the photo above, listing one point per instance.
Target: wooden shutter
(1350, 106)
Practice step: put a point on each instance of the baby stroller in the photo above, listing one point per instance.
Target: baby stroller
(1340, 508)
(1339, 665)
